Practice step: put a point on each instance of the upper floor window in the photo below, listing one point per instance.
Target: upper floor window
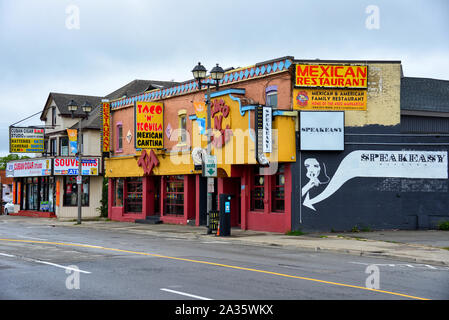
(272, 96)
(53, 147)
(119, 144)
(53, 116)
(182, 135)
(64, 146)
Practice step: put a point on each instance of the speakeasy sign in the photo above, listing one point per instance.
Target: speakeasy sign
(322, 130)
(331, 76)
(149, 125)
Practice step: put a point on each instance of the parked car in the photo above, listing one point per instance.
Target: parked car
(8, 208)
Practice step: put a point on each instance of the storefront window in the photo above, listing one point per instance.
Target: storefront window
(133, 201)
(174, 200)
(71, 191)
(118, 193)
(64, 146)
(278, 183)
(257, 192)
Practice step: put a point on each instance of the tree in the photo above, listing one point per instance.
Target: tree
(10, 157)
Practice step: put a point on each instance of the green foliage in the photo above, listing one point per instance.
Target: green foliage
(443, 225)
(10, 157)
(355, 229)
(103, 208)
(295, 233)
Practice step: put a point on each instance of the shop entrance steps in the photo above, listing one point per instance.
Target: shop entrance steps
(149, 220)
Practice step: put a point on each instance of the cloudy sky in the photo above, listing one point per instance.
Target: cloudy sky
(94, 47)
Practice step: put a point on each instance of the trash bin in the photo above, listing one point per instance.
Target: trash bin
(225, 215)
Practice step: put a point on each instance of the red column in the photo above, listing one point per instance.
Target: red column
(244, 198)
(197, 199)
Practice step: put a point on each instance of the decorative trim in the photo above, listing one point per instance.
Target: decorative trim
(232, 76)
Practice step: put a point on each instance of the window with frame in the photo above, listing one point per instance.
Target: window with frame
(278, 190)
(272, 96)
(53, 147)
(174, 198)
(182, 127)
(119, 137)
(53, 116)
(64, 146)
(134, 195)
(257, 192)
(70, 198)
(118, 192)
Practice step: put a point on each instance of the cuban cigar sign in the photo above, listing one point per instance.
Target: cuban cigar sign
(69, 166)
(30, 168)
(149, 125)
(321, 130)
(26, 140)
(331, 76)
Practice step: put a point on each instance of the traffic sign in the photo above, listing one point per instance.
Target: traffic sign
(210, 166)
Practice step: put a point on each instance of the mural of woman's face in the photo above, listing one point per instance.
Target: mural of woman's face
(313, 168)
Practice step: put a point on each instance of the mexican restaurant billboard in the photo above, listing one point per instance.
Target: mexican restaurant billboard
(329, 99)
(26, 140)
(69, 166)
(106, 143)
(331, 76)
(149, 125)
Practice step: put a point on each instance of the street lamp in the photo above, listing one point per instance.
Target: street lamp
(87, 108)
(199, 73)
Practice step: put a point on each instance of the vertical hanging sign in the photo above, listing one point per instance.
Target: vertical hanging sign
(105, 115)
(266, 130)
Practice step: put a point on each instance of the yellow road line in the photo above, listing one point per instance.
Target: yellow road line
(216, 264)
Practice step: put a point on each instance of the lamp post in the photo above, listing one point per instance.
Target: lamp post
(86, 107)
(199, 73)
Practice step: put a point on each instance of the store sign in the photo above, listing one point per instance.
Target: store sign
(322, 130)
(69, 166)
(221, 122)
(73, 140)
(331, 76)
(329, 99)
(267, 141)
(26, 140)
(30, 168)
(149, 125)
(262, 132)
(106, 142)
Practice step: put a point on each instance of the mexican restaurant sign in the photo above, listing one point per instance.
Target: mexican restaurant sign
(329, 99)
(331, 76)
(149, 125)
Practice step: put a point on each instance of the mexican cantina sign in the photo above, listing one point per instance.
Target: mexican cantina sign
(149, 125)
(373, 163)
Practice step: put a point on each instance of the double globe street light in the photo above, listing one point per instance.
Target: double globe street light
(87, 108)
(216, 74)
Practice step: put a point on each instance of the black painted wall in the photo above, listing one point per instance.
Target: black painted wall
(371, 203)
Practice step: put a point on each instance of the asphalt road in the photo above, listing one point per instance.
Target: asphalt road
(38, 262)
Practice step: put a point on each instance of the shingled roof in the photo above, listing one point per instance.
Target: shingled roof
(424, 94)
(137, 87)
(62, 100)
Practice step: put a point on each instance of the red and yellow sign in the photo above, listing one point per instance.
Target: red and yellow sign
(149, 125)
(331, 76)
(106, 145)
(329, 99)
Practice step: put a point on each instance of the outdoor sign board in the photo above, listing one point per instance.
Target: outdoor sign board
(266, 130)
(26, 140)
(322, 130)
(331, 76)
(329, 99)
(210, 166)
(69, 166)
(148, 125)
(29, 168)
(105, 137)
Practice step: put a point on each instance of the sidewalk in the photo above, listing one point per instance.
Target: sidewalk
(423, 246)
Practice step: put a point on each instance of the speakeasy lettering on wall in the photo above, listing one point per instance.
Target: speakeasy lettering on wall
(321, 129)
(377, 164)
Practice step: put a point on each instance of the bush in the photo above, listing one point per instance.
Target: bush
(444, 225)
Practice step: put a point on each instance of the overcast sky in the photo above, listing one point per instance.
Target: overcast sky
(44, 49)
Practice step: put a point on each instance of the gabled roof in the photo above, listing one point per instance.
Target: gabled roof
(62, 100)
(94, 120)
(424, 94)
(137, 87)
